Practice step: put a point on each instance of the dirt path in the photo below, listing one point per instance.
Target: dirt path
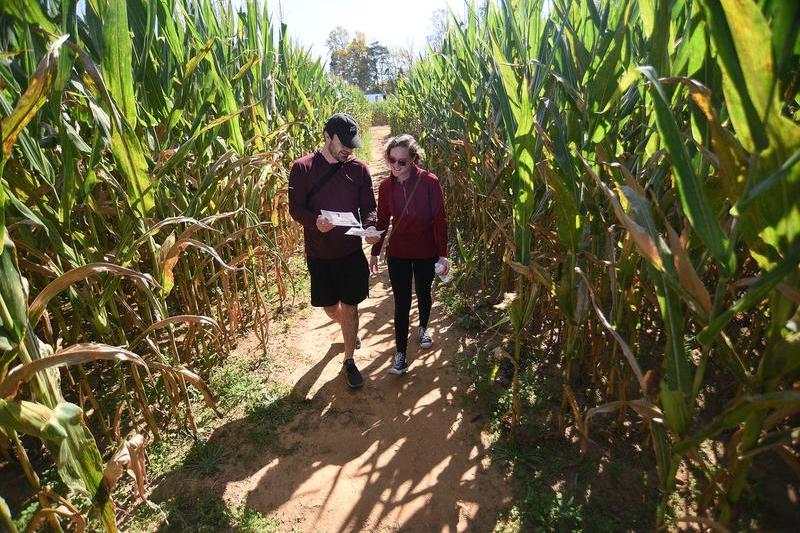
(400, 454)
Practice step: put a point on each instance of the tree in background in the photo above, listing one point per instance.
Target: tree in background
(370, 67)
(439, 24)
(350, 58)
(381, 67)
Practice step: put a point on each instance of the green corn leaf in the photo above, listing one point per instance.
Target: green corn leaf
(13, 299)
(5, 517)
(736, 414)
(744, 62)
(755, 295)
(30, 12)
(118, 59)
(692, 192)
(781, 359)
(31, 418)
(677, 381)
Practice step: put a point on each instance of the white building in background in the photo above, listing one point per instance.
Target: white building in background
(376, 97)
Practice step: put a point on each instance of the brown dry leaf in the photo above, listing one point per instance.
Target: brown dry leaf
(630, 180)
(642, 407)
(65, 509)
(200, 385)
(34, 97)
(626, 350)
(729, 152)
(74, 355)
(118, 420)
(686, 272)
(193, 379)
(64, 281)
(236, 234)
(200, 320)
(702, 520)
(644, 242)
(258, 251)
(792, 293)
(130, 458)
(533, 271)
(519, 268)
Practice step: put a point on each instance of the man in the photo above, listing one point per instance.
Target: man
(332, 179)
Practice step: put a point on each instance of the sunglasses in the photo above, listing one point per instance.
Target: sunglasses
(400, 162)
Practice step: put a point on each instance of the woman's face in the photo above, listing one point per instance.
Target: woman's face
(399, 161)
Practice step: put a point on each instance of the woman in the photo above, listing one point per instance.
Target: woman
(412, 199)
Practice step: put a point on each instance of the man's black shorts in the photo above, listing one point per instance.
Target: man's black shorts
(343, 280)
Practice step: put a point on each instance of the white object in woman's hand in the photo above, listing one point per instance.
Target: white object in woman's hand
(373, 265)
(372, 240)
(442, 269)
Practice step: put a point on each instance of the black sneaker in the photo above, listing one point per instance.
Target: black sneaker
(358, 343)
(354, 378)
(400, 366)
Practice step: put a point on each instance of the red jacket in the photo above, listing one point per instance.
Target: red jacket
(420, 232)
(350, 189)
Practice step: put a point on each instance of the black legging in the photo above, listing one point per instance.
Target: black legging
(400, 274)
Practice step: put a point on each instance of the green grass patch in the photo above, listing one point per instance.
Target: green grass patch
(201, 513)
(364, 152)
(278, 408)
(237, 385)
(168, 454)
(205, 458)
(301, 282)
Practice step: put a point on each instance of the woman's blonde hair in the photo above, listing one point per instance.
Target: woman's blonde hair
(408, 142)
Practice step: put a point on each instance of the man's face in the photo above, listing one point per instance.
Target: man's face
(337, 149)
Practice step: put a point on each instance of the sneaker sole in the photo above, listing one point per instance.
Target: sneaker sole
(396, 372)
(357, 386)
(425, 345)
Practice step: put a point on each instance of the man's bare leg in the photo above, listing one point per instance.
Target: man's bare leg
(347, 317)
(348, 320)
(333, 312)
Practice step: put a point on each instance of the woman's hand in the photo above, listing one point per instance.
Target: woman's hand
(373, 265)
(445, 265)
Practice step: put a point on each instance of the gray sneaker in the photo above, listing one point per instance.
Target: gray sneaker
(358, 343)
(424, 339)
(400, 366)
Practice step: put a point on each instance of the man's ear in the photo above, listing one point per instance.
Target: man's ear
(327, 136)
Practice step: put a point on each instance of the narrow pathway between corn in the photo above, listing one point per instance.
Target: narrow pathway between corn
(402, 453)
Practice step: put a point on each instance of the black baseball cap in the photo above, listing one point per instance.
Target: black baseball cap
(345, 127)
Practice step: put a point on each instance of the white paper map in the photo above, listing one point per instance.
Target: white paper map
(367, 232)
(341, 219)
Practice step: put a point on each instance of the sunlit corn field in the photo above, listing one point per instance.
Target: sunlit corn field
(627, 174)
(628, 186)
(146, 147)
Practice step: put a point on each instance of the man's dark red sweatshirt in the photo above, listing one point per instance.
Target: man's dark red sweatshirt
(350, 189)
(420, 231)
